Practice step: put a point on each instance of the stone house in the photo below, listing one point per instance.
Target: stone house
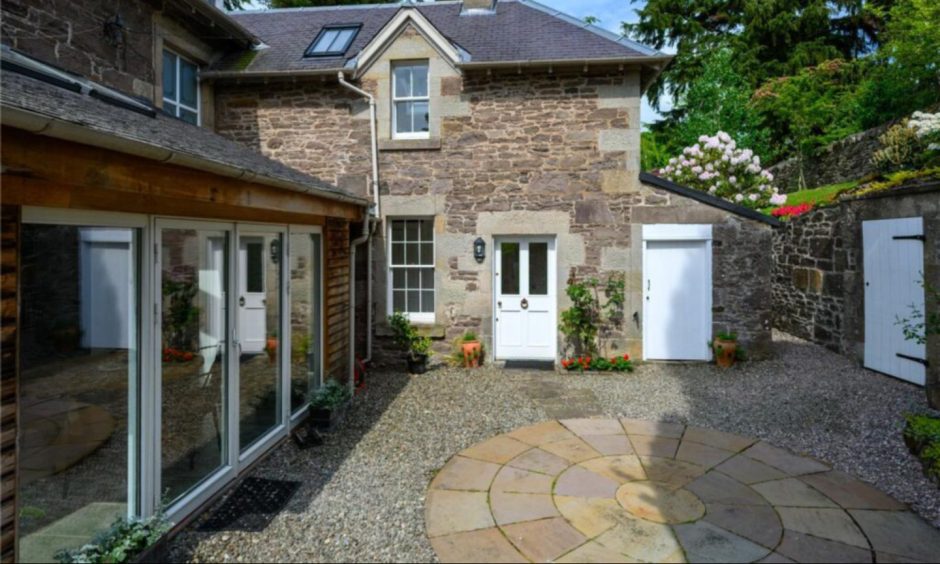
(185, 191)
(505, 126)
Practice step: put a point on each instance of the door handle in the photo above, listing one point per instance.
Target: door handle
(241, 301)
(524, 303)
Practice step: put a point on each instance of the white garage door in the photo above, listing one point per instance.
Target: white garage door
(677, 292)
(893, 266)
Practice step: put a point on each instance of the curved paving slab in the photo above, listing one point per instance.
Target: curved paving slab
(609, 490)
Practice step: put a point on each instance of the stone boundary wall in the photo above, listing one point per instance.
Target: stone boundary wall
(840, 161)
(818, 273)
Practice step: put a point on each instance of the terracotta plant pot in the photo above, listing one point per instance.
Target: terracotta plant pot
(271, 349)
(472, 350)
(724, 352)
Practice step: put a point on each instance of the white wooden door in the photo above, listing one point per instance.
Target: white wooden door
(525, 313)
(252, 323)
(893, 255)
(677, 293)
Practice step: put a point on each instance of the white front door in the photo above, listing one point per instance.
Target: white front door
(893, 254)
(524, 283)
(677, 289)
(252, 324)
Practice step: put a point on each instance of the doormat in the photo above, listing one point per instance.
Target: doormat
(530, 365)
(251, 507)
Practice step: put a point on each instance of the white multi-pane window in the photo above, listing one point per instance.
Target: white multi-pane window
(411, 268)
(410, 100)
(180, 87)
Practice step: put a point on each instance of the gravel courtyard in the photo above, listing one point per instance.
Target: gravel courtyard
(363, 493)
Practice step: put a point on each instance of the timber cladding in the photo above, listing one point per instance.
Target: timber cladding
(9, 277)
(336, 282)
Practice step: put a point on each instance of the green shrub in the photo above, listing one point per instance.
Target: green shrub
(407, 337)
(930, 457)
(126, 539)
(587, 318)
(330, 396)
(921, 430)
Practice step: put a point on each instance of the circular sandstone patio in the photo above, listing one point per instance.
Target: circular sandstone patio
(609, 490)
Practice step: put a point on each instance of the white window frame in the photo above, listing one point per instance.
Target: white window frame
(180, 105)
(396, 99)
(420, 318)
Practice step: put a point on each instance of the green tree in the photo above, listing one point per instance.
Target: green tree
(718, 101)
(904, 75)
(768, 38)
(810, 109)
(653, 152)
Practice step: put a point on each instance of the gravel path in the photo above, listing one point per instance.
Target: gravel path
(363, 492)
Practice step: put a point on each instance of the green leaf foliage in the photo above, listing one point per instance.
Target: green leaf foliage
(121, 543)
(768, 38)
(330, 396)
(588, 318)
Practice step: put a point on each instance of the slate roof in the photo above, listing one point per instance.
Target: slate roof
(101, 114)
(520, 30)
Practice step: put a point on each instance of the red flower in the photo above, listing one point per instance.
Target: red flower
(626, 357)
(187, 356)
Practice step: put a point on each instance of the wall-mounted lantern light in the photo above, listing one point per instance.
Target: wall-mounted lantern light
(275, 251)
(479, 249)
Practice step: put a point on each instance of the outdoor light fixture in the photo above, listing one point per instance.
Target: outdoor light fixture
(275, 251)
(479, 249)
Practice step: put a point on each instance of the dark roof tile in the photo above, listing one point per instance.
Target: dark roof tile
(520, 30)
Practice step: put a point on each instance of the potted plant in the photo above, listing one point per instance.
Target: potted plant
(127, 540)
(725, 347)
(270, 347)
(328, 405)
(472, 350)
(418, 347)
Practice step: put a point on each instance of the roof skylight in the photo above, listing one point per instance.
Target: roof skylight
(333, 40)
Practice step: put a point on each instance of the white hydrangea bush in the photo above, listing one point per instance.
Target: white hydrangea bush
(716, 165)
(927, 126)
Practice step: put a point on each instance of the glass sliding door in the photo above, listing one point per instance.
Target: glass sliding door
(306, 316)
(79, 380)
(193, 290)
(260, 407)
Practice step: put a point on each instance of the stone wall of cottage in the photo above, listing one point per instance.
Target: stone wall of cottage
(71, 35)
(519, 153)
(818, 273)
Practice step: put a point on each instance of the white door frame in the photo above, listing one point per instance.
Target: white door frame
(552, 241)
(678, 232)
(145, 393)
(264, 442)
(213, 483)
(294, 418)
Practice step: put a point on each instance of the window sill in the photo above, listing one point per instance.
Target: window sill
(430, 144)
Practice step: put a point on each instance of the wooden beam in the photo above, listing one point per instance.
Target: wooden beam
(72, 175)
